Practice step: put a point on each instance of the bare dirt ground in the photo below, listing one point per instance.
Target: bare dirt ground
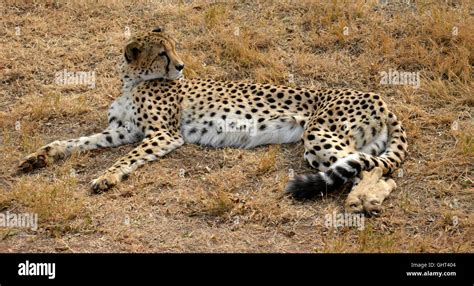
(199, 199)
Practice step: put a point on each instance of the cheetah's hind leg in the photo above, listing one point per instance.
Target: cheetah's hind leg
(367, 196)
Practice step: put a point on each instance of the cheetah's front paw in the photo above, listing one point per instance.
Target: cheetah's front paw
(105, 182)
(44, 156)
(34, 161)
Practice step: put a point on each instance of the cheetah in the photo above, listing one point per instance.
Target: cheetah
(344, 132)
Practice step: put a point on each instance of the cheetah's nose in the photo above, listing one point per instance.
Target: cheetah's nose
(179, 67)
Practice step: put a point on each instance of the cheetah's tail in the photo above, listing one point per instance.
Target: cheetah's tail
(310, 185)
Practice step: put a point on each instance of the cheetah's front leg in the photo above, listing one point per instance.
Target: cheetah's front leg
(156, 145)
(53, 151)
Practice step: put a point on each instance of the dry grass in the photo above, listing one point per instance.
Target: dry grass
(201, 199)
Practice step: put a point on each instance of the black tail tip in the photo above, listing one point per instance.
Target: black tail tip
(307, 187)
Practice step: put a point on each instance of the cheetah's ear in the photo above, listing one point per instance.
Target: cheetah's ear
(132, 50)
(158, 30)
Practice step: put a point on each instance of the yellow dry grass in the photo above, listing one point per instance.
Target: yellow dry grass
(228, 200)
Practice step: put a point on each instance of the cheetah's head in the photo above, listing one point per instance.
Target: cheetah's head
(152, 55)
